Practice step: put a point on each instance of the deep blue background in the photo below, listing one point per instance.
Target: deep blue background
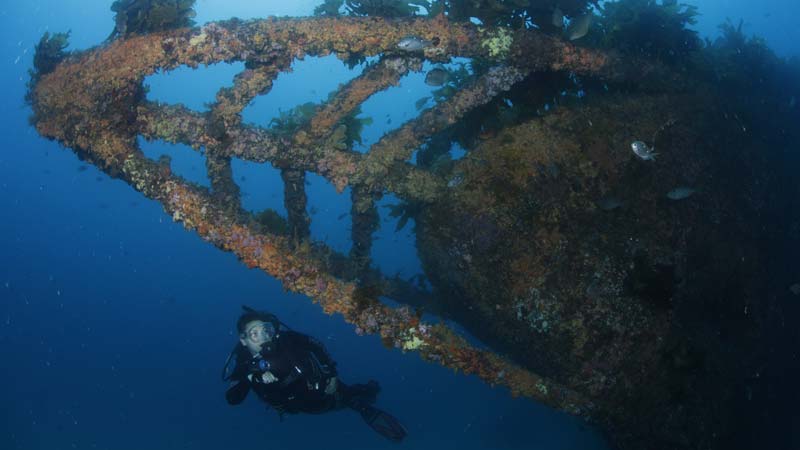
(115, 321)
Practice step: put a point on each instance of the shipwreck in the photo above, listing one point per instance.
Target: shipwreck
(602, 288)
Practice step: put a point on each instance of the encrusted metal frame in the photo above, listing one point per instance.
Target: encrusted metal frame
(94, 103)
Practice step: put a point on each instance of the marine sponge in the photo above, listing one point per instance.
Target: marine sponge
(498, 43)
(412, 341)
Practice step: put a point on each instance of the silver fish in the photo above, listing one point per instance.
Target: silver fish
(641, 150)
(795, 289)
(558, 17)
(609, 203)
(578, 27)
(413, 44)
(680, 193)
(437, 76)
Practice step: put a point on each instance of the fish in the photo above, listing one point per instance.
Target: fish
(413, 44)
(558, 17)
(553, 170)
(437, 76)
(578, 27)
(795, 289)
(644, 152)
(609, 203)
(680, 193)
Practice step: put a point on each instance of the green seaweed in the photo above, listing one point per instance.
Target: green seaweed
(380, 8)
(49, 52)
(649, 29)
(288, 122)
(354, 126)
(510, 13)
(329, 8)
(147, 16)
(754, 79)
(515, 13)
(457, 77)
(272, 222)
(404, 211)
(738, 62)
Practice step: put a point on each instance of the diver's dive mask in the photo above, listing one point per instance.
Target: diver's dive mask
(260, 332)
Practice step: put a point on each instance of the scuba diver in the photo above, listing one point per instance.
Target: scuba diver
(293, 373)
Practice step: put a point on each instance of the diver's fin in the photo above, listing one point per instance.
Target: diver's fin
(384, 423)
(358, 394)
(237, 393)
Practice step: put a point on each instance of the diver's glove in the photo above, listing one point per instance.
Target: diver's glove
(265, 378)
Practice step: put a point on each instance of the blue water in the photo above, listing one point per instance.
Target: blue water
(115, 321)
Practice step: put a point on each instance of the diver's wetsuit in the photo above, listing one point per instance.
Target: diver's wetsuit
(303, 369)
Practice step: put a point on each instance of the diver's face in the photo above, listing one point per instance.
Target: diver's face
(256, 333)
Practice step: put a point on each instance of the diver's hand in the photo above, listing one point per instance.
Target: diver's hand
(266, 377)
(330, 388)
